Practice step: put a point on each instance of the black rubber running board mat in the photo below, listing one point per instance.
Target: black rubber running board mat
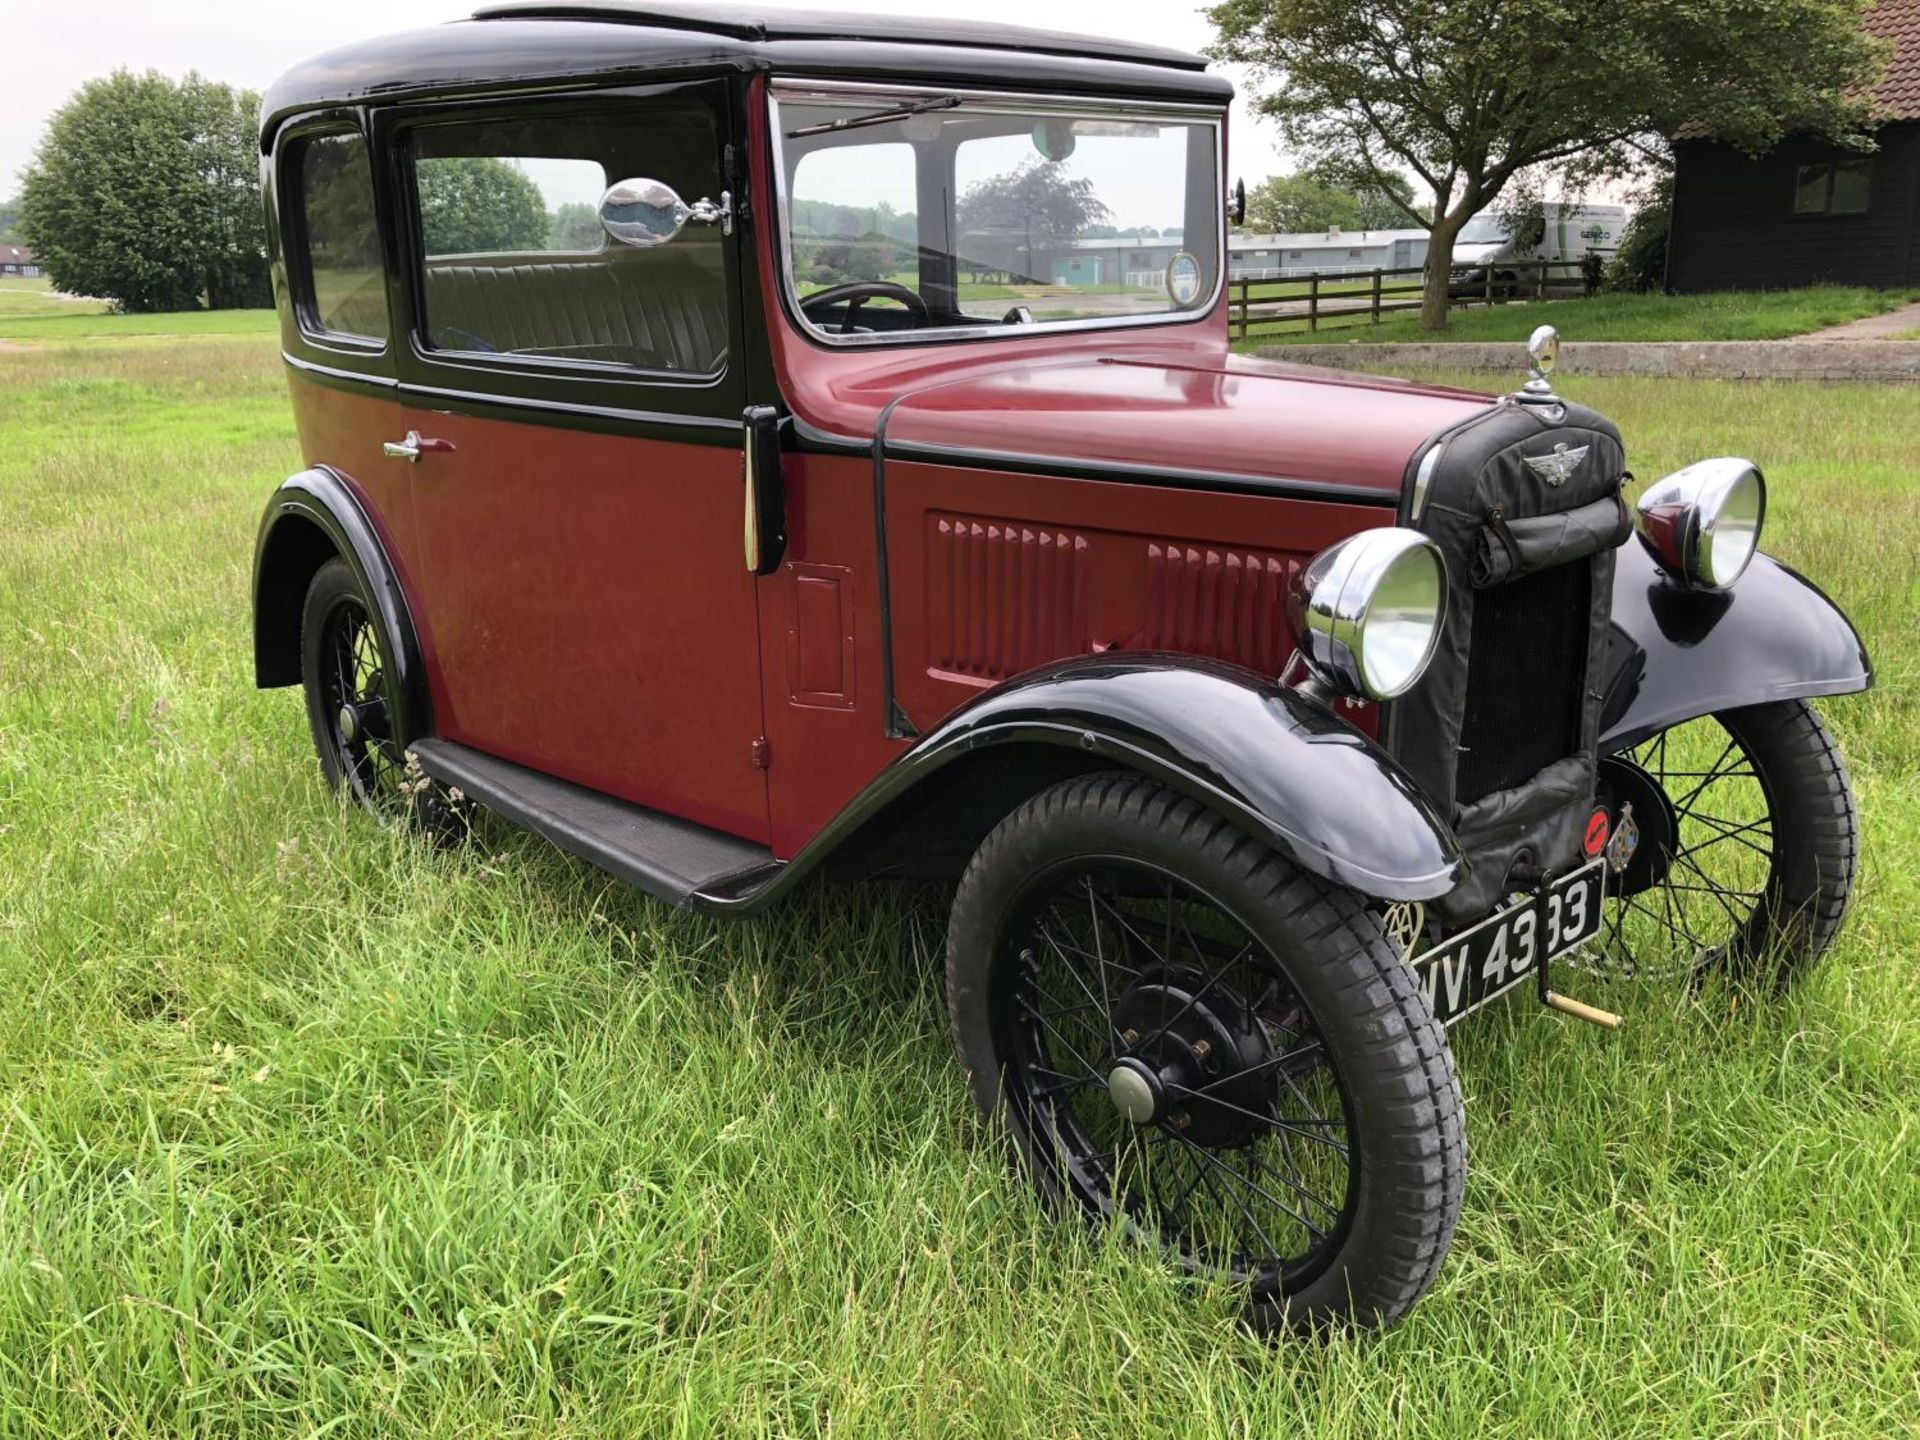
(661, 854)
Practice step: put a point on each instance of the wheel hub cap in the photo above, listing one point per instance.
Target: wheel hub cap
(1135, 1091)
(349, 724)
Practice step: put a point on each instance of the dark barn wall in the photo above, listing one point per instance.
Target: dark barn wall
(1734, 226)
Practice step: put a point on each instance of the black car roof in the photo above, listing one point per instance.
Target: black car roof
(746, 22)
(533, 47)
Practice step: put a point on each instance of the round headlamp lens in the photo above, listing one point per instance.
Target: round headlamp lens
(1402, 623)
(1731, 533)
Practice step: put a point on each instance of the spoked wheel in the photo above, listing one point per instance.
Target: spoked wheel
(351, 704)
(1195, 1042)
(1735, 844)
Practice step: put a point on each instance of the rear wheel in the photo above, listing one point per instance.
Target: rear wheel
(1740, 847)
(353, 706)
(1190, 1038)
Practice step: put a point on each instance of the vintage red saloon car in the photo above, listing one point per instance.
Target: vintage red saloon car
(741, 442)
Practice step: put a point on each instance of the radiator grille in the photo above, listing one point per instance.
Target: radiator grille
(1526, 674)
(1002, 596)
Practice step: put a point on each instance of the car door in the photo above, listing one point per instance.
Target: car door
(575, 447)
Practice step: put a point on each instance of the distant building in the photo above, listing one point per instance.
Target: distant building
(16, 260)
(1808, 212)
(1329, 252)
(1142, 263)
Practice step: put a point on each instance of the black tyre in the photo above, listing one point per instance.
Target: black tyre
(1189, 1037)
(1747, 844)
(353, 707)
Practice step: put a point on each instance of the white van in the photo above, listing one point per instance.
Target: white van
(1571, 233)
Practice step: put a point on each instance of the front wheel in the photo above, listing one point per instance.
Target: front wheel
(1740, 845)
(1190, 1038)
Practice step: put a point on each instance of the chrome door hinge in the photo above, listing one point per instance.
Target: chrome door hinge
(762, 753)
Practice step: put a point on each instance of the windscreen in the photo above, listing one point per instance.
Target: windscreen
(910, 211)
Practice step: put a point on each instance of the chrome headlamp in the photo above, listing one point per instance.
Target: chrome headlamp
(1702, 523)
(1367, 612)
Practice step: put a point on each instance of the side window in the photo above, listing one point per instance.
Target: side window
(513, 259)
(341, 279)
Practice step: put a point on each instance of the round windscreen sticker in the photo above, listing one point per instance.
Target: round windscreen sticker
(1183, 279)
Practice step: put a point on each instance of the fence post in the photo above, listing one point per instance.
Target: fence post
(1540, 282)
(1313, 302)
(1489, 282)
(1376, 294)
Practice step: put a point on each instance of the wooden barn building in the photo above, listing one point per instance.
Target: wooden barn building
(1808, 213)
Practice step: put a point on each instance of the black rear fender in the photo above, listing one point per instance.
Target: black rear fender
(312, 517)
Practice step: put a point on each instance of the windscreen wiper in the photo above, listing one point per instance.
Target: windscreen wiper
(876, 117)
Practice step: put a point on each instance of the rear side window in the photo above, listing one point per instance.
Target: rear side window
(343, 277)
(506, 205)
(514, 262)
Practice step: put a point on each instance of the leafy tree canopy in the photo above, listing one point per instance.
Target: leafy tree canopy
(1296, 204)
(146, 191)
(1467, 94)
(1041, 198)
(478, 204)
(575, 226)
(9, 222)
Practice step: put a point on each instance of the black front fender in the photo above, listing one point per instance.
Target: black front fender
(1676, 654)
(1283, 766)
(312, 517)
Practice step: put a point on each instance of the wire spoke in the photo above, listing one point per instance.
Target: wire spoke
(1227, 1170)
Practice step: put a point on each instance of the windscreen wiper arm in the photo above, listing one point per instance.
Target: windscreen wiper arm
(876, 117)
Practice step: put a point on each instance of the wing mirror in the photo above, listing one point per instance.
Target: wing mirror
(644, 213)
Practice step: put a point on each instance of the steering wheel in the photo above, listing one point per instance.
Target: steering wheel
(857, 292)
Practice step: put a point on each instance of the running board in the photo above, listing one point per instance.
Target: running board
(663, 855)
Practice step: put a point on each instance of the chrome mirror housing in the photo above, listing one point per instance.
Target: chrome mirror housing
(1702, 523)
(644, 213)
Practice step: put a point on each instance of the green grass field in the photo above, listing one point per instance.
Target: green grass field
(312, 1130)
(1732, 315)
(21, 297)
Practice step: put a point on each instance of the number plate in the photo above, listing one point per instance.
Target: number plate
(1465, 972)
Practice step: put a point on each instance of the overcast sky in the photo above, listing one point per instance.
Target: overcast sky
(48, 49)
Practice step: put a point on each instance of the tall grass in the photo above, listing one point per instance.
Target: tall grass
(310, 1129)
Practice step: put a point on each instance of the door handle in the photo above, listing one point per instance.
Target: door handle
(414, 446)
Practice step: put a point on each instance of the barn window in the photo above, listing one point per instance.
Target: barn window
(1833, 187)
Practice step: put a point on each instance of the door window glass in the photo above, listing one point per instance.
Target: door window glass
(345, 278)
(514, 262)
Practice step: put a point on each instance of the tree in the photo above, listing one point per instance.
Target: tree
(146, 191)
(1296, 204)
(1040, 200)
(9, 222)
(1467, 94)
(574, 226)
(477, 204)
(1641, 261)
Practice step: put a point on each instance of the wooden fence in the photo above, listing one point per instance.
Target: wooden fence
(1320, 301)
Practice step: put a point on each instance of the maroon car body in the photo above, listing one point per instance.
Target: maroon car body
(713, 577)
